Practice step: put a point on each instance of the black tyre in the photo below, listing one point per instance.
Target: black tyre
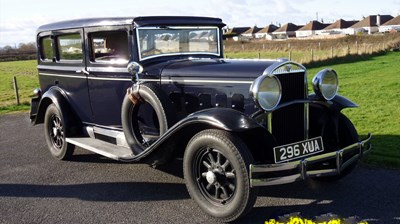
(347, 135)
(144, 122)
(215, 168)
(55, 129)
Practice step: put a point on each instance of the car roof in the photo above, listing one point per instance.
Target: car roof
(137, 21)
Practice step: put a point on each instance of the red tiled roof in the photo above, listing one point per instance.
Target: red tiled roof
(268, 29)
(371, 21)
(288, 27)
(252, 30)
(313, 25)
(340, 24)
(394, 21)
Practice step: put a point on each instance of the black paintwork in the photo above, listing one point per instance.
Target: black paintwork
(215, 89)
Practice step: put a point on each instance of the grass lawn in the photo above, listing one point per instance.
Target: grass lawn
(27, 79)
(373, 82)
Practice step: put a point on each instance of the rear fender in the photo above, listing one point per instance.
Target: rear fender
(57, 96)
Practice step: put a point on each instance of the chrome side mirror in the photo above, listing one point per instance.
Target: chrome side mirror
(135, 69)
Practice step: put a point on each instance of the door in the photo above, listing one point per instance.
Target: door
(62, 64)
(108, 77)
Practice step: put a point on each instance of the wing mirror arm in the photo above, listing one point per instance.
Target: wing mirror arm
(135, 69)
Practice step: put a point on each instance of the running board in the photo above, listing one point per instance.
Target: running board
(101, 147)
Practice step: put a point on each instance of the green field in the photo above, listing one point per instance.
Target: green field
(27, 79)
(373, 82)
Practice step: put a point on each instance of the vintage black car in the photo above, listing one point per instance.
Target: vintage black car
(157, 88)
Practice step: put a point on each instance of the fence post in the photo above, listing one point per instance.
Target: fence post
(16, 90)
(357, 46)
(312, 54)
(332, 52)
(348, 49)
(259, 55)
(290, 55)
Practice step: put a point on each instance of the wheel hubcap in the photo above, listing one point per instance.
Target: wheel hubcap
(215, 175)
(211, 178)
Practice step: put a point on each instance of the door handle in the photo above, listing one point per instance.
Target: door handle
(83, 71)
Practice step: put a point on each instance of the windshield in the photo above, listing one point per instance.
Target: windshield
(153, 42)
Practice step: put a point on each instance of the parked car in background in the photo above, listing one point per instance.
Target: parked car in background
(156, 88)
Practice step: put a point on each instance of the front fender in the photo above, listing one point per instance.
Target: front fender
(338, 102)
(224, 118)
(176, 138)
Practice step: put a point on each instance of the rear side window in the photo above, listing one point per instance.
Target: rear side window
(70, 47)
(109, 47)
(46, 48)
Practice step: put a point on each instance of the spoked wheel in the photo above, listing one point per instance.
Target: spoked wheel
(55, 134)
(215, 174)
(215, 167)
(56, 131)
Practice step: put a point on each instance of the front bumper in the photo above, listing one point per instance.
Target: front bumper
(301, 169)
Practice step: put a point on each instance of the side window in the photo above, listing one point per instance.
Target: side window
(46, 48)
(70, 47)
(109, 47)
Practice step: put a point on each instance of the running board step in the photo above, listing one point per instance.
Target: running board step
(100, 147)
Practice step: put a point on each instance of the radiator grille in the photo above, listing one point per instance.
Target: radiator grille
(288, 122)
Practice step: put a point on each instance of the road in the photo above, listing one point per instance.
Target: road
(35, 188)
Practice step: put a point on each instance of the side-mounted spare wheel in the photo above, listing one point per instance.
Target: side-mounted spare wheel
(215, 168)
(146, 120)
(55, 130)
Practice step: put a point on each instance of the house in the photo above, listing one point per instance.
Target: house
(368, 25)
(338, 27)
(234, 32)
(310, 29)
(392, 25)
(286, 31)
(266, 32)
(250, 33)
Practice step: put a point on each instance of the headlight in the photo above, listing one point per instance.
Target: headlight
(266, 92)
(326, 84)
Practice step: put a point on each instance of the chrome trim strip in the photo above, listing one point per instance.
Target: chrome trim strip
(109, 79)
(284, 67)
(206, 81)
(90, 77)
(269, 117)
(65, 76)
(107, 69)
(363, 147)
(60, 68)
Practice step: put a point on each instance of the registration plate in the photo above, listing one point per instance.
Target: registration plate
(297, 150)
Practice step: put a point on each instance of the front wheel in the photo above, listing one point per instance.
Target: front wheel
(55, 134)
(215, 168)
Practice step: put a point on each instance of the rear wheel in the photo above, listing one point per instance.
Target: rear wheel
(55, 134)
(215, 167)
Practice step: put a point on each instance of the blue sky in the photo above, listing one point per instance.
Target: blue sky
(20, 18)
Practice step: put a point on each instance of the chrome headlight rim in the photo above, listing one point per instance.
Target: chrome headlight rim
(255, 91)
(323, 90)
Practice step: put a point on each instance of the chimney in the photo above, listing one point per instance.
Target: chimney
(378, 20)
